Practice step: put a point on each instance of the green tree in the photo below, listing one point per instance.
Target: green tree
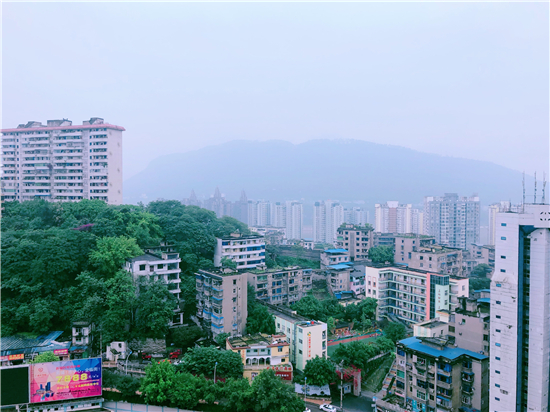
(330, 324)
(155, 308)
(120, 300)
(228, 263)
(482, 270)
(45, 357)
(259, 320)
(185, 336)
(320, 371)
(354, 354)
(186, 392)
(479, 283)
(395, 331)
(238, 394)
(158, 383)
(309, 307)
(111, 253)
(221, 339)
(201, 360)
(381, 254)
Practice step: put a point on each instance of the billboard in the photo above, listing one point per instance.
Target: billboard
(66, 380)
(14, 388)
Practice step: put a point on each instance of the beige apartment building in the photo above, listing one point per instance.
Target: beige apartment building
(261, 351)
(280, 286)
(222, 301)
(307, 338)
(433, 375)
(60, 161)
(356, 239)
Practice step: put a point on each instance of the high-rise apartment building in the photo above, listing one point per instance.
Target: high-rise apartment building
(278, 214)
(222, 301)
(452, 220)
(356, 216)
(62, 162)
(246, 251)
(294, 221)
(391, 217)
(520, 311)
(502, 206)
(328, 216)
(358, 240)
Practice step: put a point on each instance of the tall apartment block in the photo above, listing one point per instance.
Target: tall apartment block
(520, 311)
(62, 162)
(307, 338)
(294, 220)
(433, 375)
(222, 301)
(452, 220)
(280, 286)
(328, 216)
(358, 240)
(356, 216)
(412, 295)
(248, 251)
(502, 206)
(160, 263)
(278, 214)
(392, 217)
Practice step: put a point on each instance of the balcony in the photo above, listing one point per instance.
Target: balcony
(444, 385)
(467, 390)
(468, 377)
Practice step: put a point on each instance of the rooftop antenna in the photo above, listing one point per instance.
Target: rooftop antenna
(523, 198)
(543, 187)
(535, 202)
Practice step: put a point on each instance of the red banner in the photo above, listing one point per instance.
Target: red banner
(61, 352)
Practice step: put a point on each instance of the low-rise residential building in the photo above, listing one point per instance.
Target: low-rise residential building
(82, 338)
(338, 277)
(307, 338)
(483, 254)
(357, 282)
(470, 324)
(412, 295)
(334, 257)
(383, 239)
(261, 351)
(356, 239)
(433, 375)
(248, 251)
(280, 285)
(160, 263)
(420, 252)
(372, 276)
(222, 301)
(459, 287)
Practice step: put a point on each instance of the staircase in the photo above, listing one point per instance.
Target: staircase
(390, 378)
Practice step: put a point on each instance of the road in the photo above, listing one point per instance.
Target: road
(351, 404)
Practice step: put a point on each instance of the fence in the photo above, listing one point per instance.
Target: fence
(137, 407)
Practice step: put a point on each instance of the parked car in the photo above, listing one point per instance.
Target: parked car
(328, 408)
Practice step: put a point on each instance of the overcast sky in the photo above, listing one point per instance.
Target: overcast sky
(468, 80)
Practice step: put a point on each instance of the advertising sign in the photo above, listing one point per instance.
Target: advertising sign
(14, 388)
(66, 380)
(61, 352)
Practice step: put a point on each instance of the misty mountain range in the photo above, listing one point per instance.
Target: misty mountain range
(344, 170)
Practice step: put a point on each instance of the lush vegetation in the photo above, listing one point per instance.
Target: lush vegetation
(381, 254)
(320, 371)
(273, 258)
(364, 313)
(127, 385)
(259, 319)
(358, 354)
(45, 357)
(201, 361)
(479, 283)
(53, 274)
(167, 386)
(395, 331)
(482, 270)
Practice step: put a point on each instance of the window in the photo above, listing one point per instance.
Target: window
(498, 316)
(497, 399)
(141, 267)
(498, 285)
(497, 385)
(497, 344)
(300, 351)
(503, 257)
(279, 348)
(300, 340)
(498, 372)
(503, 238)
(503, 270)
(498, 330)
(497, 358)
(234, 281)
(503, 224)
(498, 302)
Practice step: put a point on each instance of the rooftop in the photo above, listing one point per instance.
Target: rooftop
(290, 316)
(65, 124)
(26, 341)
(219, 272)
(238, 236)
(257, 339)
(341, 266)
(147, 257)
(335, 251)
(446, 352)
(434, 323)
(277, 269)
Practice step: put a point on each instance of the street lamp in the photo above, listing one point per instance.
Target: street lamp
(128, 357)
(215, 371)
(341, 384)
(305, 395)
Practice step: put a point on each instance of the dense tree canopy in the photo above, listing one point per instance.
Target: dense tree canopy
(381, 254)
(201, 360)
(45, 357)
(358, 353)
(55, 271)
(395, 331)
(259, 320)
(320, 371)
(313, 308)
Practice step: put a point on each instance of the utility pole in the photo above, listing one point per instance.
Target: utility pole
(341, 385)
(305, 387)
(215, 371)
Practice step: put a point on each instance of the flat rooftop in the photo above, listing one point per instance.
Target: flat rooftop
(335, 251)
(257, 339)
(147, 257)
(447, 352)
(241, 237)
(287, 315)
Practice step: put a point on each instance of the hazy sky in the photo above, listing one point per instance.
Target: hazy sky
(468, 80)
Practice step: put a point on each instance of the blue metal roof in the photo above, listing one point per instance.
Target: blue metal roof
(483, 290)
(21, 342)
(336, 251)
(449, 353)
(484, 300)
(340, 266)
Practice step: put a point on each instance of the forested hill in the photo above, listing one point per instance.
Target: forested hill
(53, 274)
(347, 170)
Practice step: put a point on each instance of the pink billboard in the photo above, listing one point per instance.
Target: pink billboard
(66, 380)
